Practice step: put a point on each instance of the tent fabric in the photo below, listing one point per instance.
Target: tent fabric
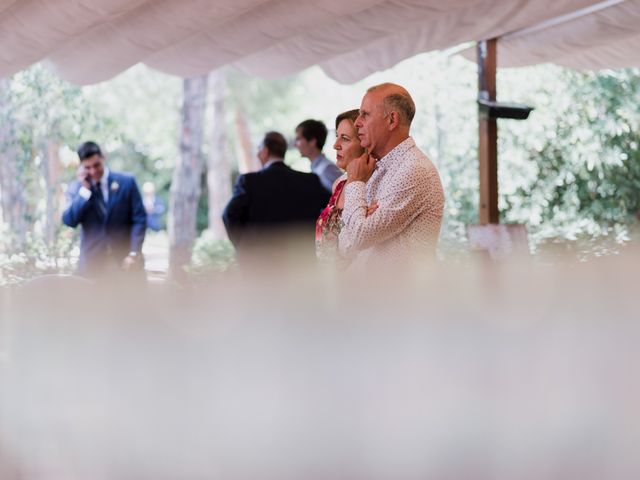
(88, 41)
(606, 38)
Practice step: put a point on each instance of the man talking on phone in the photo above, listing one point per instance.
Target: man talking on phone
(110, 210)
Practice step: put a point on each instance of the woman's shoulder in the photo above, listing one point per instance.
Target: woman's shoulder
(341, 179)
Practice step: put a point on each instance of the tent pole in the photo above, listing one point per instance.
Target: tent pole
(488, 131)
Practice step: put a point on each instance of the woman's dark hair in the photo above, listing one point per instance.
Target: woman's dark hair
(88, 149)
(276, 144)
(348, 115)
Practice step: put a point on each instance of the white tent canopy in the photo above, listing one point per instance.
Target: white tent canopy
(88, 41)
(604, 35)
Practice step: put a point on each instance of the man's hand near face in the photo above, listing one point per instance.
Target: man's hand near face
(82, 177)
(361, 168)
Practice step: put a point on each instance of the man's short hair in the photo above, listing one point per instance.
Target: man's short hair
(89, 149)
(399, 101)
(276, 144)
(311, 129)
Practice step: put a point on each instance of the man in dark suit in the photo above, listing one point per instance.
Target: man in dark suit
(275, 203)
(109, 207)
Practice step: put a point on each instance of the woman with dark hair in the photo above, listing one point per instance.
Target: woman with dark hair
(329, 224)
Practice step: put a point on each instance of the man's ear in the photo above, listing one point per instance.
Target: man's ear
(394, 120)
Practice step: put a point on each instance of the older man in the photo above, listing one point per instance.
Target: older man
(396, 175)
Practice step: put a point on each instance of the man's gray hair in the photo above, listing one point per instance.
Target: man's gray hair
(399, 101)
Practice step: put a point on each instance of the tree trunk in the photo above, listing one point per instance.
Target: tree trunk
(14, 207)
(218, 166)
(185, 184)
(51, 175)
(248, 161)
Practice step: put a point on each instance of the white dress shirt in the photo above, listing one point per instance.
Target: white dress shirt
(85, 193)
(271, 161)
(326, 170)
(406, 225)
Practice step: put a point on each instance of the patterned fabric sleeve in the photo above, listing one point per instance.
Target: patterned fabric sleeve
(407, 197)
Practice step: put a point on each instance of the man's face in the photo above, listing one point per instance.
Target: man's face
(305, 147)
(94, 167)
(263, 153)
(371, 124)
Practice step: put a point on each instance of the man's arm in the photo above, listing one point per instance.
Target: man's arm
(139, 219)
(405, 199)
(236, 213)
(78, 202)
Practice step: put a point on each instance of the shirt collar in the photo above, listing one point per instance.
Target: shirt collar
(397, 153)
(315, 163)
(271, 161)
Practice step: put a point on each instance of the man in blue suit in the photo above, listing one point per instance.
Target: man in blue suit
(109, 207)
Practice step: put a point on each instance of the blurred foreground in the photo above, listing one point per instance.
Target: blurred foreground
(476, 371)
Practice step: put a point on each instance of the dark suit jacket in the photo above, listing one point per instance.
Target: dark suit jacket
(107, 237)
(272, 202)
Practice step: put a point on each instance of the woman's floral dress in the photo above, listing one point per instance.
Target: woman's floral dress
(328, 228)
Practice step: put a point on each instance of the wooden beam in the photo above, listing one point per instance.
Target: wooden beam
(488, 131)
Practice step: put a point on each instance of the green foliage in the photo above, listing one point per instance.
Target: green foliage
(45, 109)
(570, 172)
(211, 256)
(138, 124)
(38, 258)
(580, 171)
(568, 245)
(269, 104)
(202, 214)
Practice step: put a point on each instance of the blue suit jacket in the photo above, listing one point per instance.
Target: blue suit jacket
(107, 237)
